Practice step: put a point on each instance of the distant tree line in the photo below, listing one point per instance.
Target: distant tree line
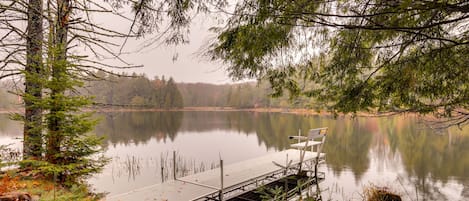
(137, 90)
(134, 91)
(245, 95)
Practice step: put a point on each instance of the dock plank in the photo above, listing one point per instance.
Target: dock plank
(169, 191)
(246, 170)
(185, 188)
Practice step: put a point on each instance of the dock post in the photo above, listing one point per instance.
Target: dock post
(162, 167)
(220, 194)
(162, 174)
(174, 165)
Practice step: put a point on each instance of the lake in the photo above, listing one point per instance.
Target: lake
(398, 152)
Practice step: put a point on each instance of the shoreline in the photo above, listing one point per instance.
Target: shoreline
(297, 111)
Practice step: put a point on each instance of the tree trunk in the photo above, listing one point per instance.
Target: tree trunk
(59, 77)
(32, 146)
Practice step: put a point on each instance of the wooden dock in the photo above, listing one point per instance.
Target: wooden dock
(237, 178)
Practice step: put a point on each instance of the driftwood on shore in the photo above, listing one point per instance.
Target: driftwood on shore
(16, 196)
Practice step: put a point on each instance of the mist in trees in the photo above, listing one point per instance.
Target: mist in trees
(7, 99)
(244, 95)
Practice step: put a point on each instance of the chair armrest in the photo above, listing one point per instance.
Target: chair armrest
(298, 137)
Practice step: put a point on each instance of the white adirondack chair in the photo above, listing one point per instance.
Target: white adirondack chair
(314, 141)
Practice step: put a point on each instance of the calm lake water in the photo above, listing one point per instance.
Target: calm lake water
(398, 152)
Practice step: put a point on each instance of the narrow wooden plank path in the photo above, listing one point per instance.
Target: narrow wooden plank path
(199, 185)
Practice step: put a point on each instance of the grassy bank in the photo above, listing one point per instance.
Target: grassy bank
(15, 185)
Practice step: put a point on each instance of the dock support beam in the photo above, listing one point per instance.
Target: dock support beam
(174, 165)
(220, 194)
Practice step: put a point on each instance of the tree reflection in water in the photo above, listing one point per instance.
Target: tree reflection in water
(413, 157)
(138, 127)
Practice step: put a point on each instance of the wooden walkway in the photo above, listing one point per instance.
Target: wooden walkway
(208, 183)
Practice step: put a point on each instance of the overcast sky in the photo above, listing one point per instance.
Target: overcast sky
(158, 60)
(188, 67)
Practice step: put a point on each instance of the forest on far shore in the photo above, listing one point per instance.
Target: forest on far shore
(137, 90)
(244, 95)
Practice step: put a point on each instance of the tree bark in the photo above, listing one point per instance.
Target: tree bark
(32, 146)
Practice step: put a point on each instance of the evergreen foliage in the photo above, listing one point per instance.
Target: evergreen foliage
(72, 153)
(355, 55)
(173, 97)
(57, 142)
(387, 56)
(134, 91)
(68, 152)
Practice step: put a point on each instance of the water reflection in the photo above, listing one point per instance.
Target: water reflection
(396, 151)
(272, 129)
(348, 144)
(432, 161)
(139, 127)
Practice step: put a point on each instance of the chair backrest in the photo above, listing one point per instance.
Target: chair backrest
(313, 134)
(317, 133)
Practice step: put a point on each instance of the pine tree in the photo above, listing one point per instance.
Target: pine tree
(173, 94)
(71, 153)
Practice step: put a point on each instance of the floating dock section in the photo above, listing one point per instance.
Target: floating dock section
(225, 182)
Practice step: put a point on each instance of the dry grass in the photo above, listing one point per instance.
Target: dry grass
(374, 193)
(42, 190)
